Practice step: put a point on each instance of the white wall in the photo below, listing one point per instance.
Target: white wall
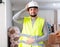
(5, 22)
(3, 33)
(8, 14)
(58, 19)
(58, 14)
(48, 15)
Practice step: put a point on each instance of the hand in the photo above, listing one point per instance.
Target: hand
(30, 40)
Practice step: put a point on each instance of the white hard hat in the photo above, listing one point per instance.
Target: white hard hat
(32, 4)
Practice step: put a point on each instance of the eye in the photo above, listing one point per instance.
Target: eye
(31, 9)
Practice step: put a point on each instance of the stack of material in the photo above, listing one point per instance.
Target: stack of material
(14, 34)
(58, 37)
(54, 38)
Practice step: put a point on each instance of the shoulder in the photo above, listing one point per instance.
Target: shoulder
(42, 19)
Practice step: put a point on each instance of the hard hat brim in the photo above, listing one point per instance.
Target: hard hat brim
(32, 7)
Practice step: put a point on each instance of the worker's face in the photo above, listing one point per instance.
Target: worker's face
(33, 12)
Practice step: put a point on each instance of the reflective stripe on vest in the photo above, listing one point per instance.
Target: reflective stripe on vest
(36, 30)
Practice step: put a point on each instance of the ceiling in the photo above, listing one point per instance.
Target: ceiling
(44, 4)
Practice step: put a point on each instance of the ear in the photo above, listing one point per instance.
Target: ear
(27, 10)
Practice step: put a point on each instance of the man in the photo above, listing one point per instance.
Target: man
(35, 29)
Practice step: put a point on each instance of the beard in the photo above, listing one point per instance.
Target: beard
(33, 15)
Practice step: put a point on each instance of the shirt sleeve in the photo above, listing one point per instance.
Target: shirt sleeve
(45, 36)
(17, 17)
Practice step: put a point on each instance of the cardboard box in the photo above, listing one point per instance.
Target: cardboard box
(51, 38)
(54, 38)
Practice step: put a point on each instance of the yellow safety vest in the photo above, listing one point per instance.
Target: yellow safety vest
(35, 30)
